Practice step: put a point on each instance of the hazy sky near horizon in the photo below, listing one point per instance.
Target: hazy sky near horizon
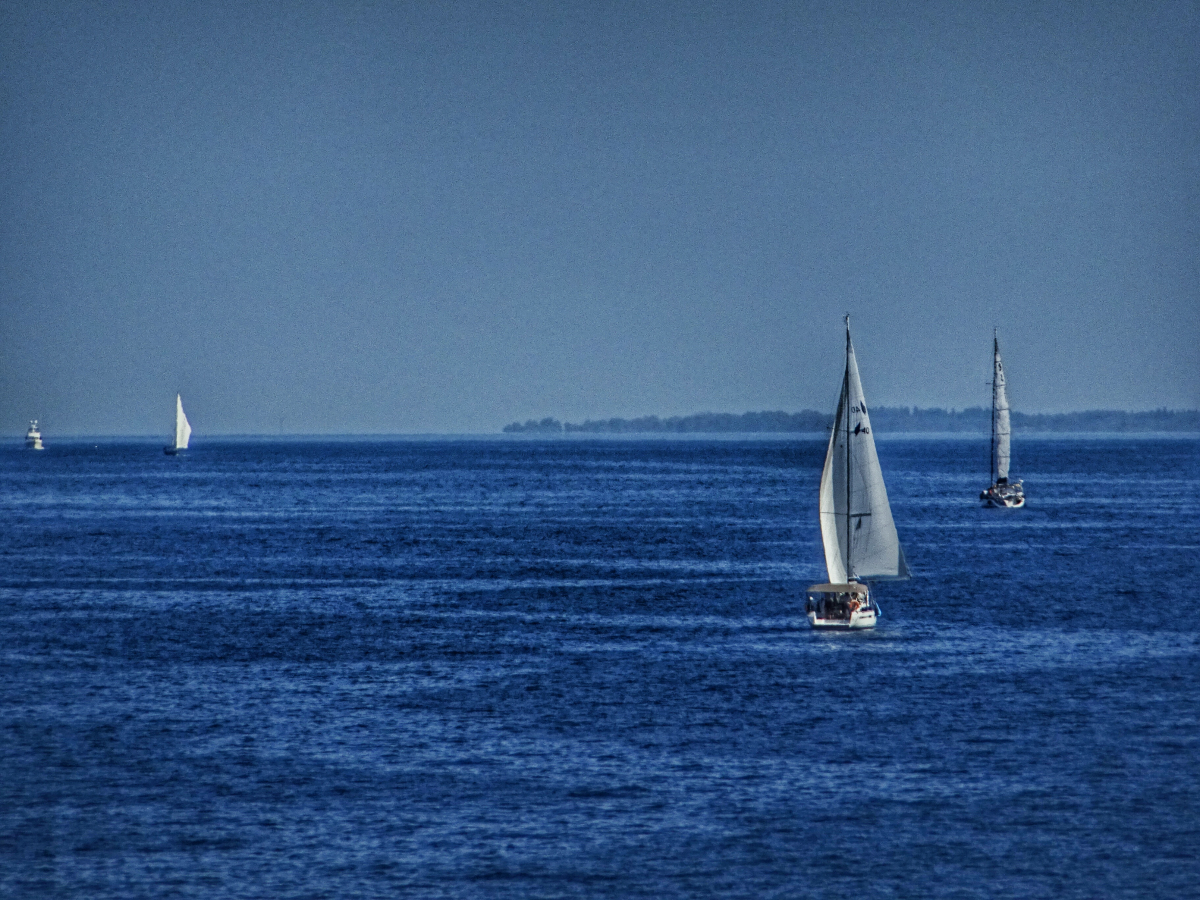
(442, 217)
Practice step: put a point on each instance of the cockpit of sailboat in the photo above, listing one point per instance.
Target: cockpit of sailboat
(835, 601)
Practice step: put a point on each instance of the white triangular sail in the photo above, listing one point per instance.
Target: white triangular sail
(856, 521)
(183, 431)
(1001, 429)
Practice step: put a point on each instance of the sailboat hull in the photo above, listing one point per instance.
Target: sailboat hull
(861, 619)
(1008, 503)
(840, 607)
(1004, 496)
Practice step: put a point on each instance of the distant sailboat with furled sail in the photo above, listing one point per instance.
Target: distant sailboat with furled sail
(1010, 494)
(183, 431)
(861, 544)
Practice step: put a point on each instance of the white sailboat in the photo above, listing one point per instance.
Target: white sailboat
(861, 544)
(33, 437)
(1010, 494)
(183, 431)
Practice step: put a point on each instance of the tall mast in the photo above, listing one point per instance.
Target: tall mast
(992, 448)
(846, 418)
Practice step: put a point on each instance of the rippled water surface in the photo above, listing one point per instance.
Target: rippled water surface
(494, 669)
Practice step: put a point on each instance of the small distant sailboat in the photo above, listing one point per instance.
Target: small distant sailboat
(33, 437)
(1010, 494)
(183, 431)
(857, 530)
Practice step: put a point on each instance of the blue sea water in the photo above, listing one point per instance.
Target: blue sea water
(568, 668)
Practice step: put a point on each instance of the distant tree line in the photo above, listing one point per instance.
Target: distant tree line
(884, 419)
(701, 423)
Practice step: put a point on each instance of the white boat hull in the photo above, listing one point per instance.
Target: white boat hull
(1006, 503)
(863, 618)
(840, 607)
(1004, 496)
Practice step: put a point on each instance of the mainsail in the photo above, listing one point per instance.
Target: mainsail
(1001, 430)
(856, 521)
(183, 431)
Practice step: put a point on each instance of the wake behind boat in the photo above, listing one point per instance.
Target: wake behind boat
(857, 529)
(183, 431)
(1010, 494)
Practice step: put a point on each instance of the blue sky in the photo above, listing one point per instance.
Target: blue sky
(368, 217)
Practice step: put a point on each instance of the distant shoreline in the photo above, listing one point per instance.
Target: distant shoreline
(208, 441)
(884, 419)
